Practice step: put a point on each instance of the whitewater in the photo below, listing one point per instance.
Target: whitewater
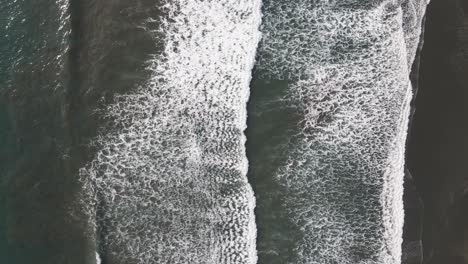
(168, 184)
(346, 65)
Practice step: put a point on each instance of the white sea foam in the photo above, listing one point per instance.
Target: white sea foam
(169, 184)
(98, 259)
(348, 65)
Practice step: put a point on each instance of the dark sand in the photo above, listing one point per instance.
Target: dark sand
(438, 145)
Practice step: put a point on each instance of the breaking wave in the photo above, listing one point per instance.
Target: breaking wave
(169, 184)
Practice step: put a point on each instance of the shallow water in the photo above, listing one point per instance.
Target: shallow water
(328, 121)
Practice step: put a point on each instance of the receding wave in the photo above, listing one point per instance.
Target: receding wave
(169, 184)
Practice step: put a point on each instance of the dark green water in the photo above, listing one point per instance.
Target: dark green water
(59, 62)
(324, 135)
(37, 179)
(271, 127)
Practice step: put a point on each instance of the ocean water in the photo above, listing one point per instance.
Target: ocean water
(328, 122)
(168, 183)
(36, 179)
(194, 131)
